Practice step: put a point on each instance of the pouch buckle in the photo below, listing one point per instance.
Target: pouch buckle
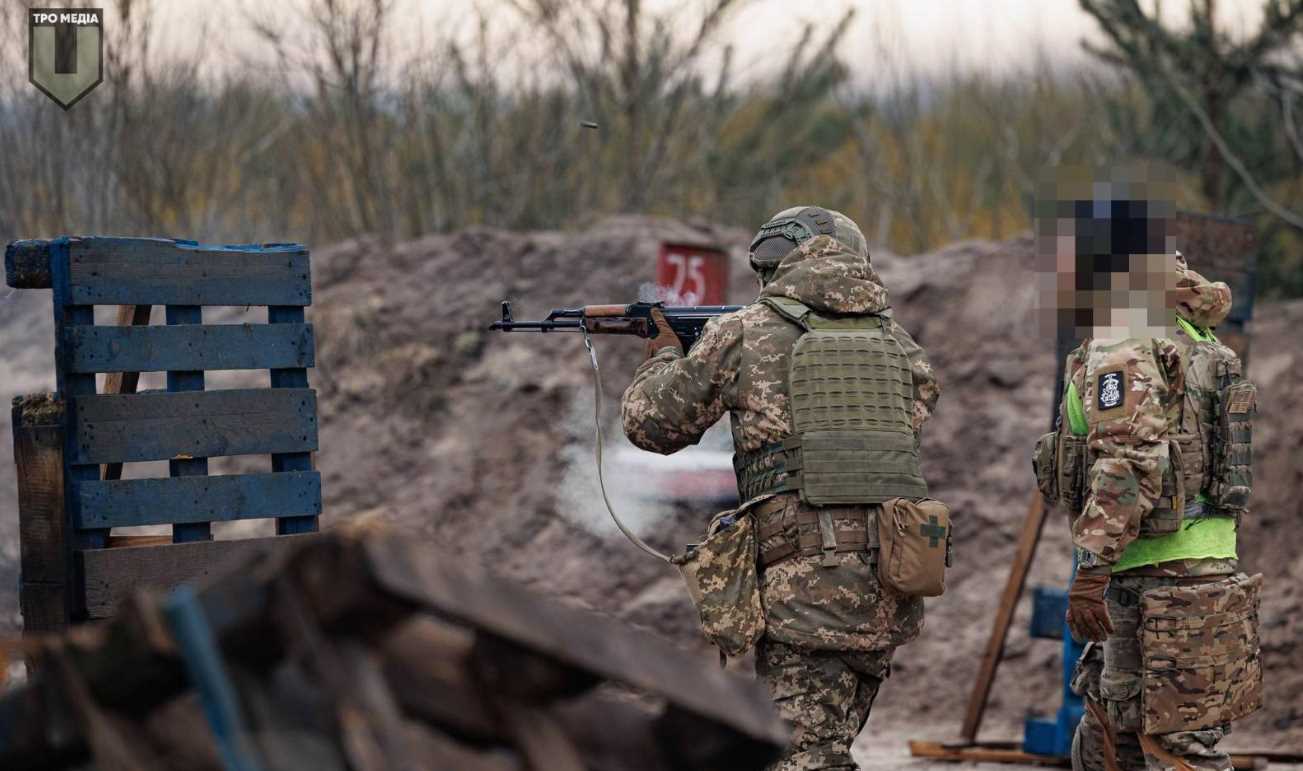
(828, 539)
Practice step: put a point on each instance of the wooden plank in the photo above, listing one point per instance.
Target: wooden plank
(192, 347)
(290, 377)
(70, 385)
(120, 382)
(149, 271)
(187, 380)
(585, 641)
(38, 431)
(1022, 562)
(133, 502)
(938, 751)
(110, 575)
(45, 607)
(160, 426)
(1009, 752)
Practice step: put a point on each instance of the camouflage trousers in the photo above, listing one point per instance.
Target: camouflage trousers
(1113, 680)
(825, 696)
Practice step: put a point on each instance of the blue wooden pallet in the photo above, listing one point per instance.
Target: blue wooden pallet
(186, 424)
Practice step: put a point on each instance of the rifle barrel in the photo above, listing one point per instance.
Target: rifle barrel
(530, 326)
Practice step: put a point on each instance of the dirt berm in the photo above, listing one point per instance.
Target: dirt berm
(479, 443)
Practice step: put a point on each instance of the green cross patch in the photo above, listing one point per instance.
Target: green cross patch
(933, 531)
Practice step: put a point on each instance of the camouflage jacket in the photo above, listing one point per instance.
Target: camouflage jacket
(739, 366)
(1132, 392)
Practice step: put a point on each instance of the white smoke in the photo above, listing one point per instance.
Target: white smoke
(580, 498)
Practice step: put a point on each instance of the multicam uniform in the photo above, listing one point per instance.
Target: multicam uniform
(1145, 407)
(830, 632)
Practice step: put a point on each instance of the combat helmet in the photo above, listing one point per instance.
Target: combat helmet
(790, 227)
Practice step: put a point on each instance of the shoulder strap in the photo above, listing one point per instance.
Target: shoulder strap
(792, 310)
(801, 315)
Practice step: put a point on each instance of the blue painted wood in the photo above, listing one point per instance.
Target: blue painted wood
(189, 347)
(127, 428)
(133, 502)
(217, 695)
(151, 271)
(187, 380)
(290, 377)
(71, 386)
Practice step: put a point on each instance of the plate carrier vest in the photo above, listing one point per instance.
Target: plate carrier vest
(852, 440)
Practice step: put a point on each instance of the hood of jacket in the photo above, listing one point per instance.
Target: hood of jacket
(1199, 301)
(827, 277)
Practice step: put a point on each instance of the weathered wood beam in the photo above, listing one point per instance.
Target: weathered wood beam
(38, 430)
(27, 265)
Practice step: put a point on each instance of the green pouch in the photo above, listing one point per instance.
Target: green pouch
(723, 580)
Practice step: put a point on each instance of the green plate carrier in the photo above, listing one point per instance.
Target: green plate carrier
(852, 392)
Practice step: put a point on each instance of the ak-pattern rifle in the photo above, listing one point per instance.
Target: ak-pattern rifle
(687, 321)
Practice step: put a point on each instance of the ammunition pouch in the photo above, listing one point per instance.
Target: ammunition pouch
(723, 581)
(1059, 462)
(1200, 651)
(1194, 462)
(1169, 509)
(1232, 462)
(1045, 467)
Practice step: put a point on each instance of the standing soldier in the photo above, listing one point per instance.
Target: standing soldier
(1153, 459)
(827, 396)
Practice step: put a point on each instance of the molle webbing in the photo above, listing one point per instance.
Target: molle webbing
(853, 536)
(762, 471)
(851, 391)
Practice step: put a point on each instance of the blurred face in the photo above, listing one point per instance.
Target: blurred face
(1104, 296)
(1106, 264)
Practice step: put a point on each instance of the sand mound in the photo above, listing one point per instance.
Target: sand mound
(468, 439)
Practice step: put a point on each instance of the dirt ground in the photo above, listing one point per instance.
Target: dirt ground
(480, 444)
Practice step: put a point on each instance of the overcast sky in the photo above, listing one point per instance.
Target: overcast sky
(933, 34)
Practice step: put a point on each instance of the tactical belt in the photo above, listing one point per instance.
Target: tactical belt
(811, 542)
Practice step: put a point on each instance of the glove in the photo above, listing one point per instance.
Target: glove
(1087, 609)
(662, 335)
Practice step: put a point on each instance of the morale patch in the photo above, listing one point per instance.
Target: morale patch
(1109, 390)
(1241, 402)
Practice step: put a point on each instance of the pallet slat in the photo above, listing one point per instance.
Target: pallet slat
(149, 271)
(132, 502)
(290, 377)
(161, 426)
(189, 347)
(110, 575)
